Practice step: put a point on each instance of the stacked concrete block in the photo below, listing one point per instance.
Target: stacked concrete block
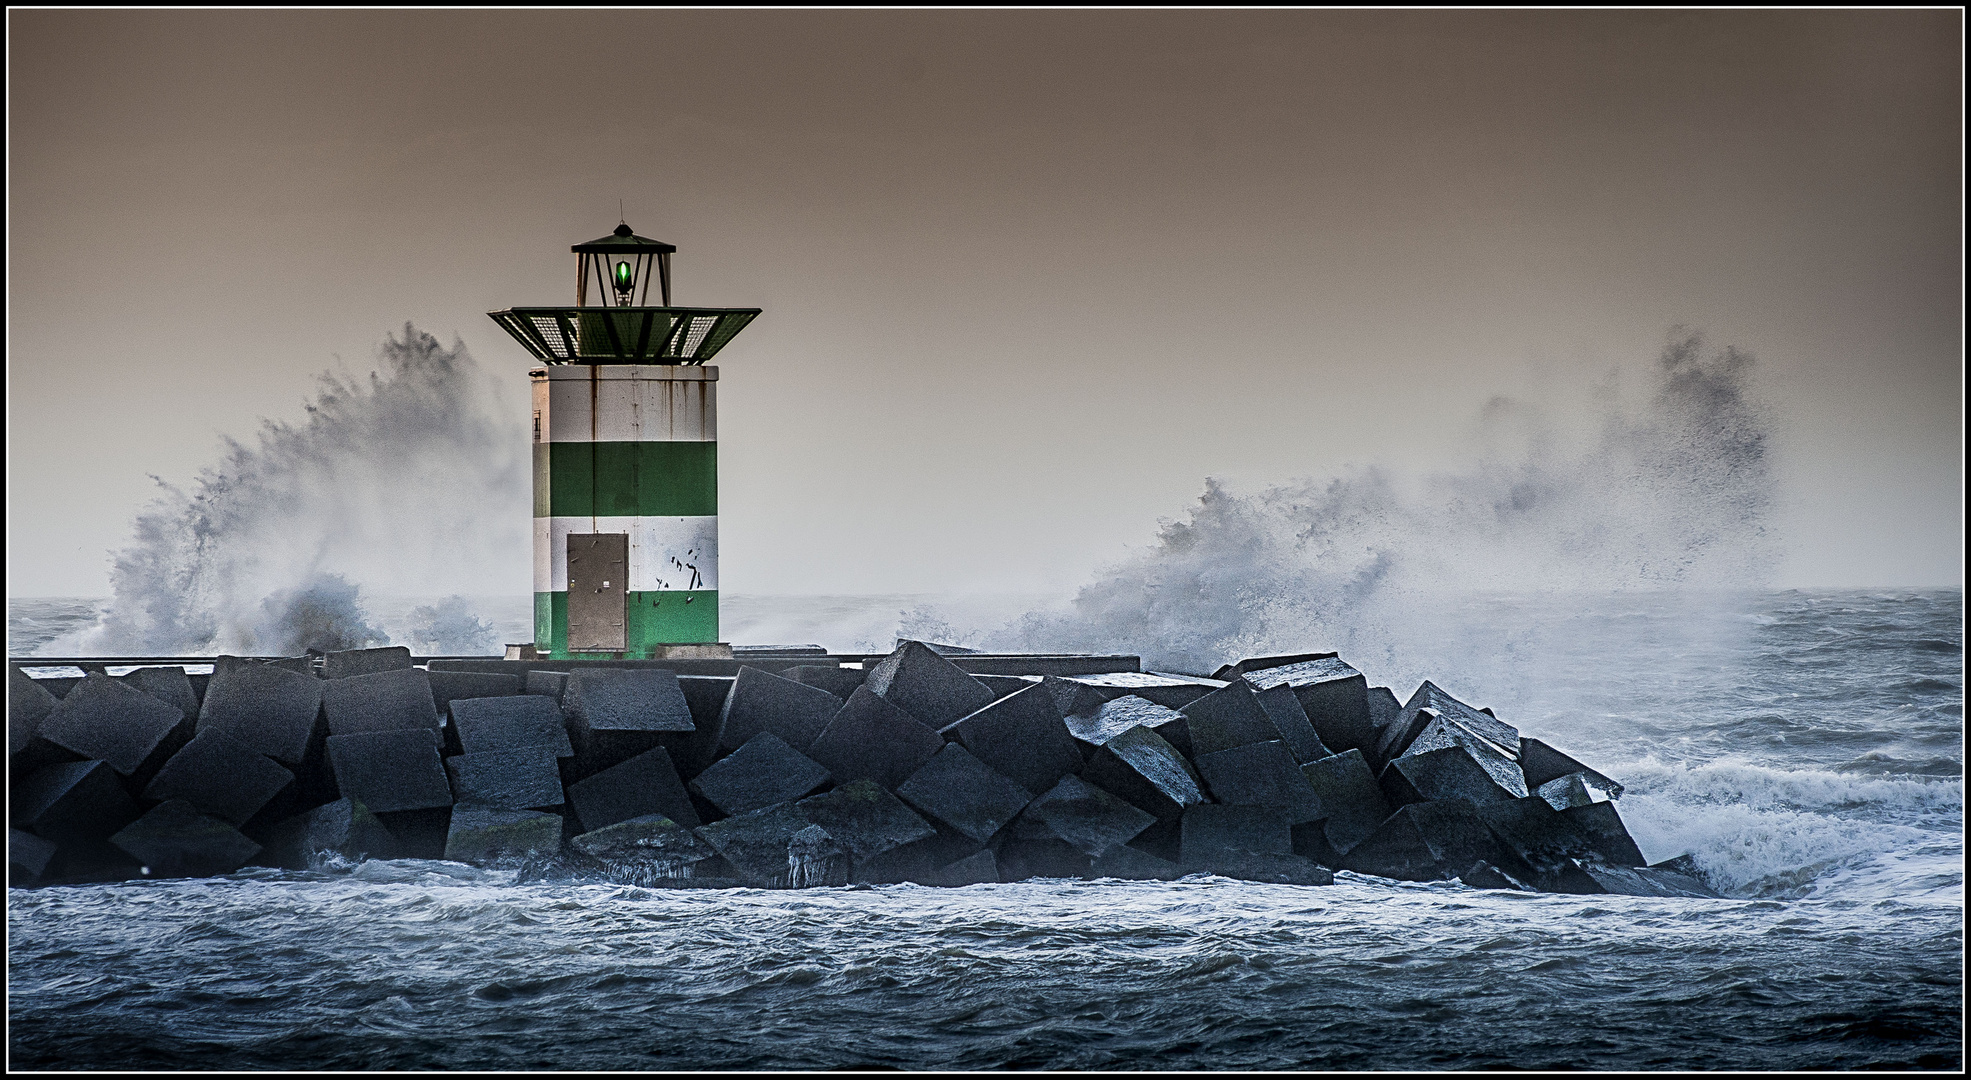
(1290, 719)
(1541, 765)
(643, 785)
(927, 686)
(1496, 754)
(1334, 695)
(486, 725)
(73, 802)
(834, 678)
(395, 699)
(1001, 685)
(1225, 718)
(1350, 796)
(815, 859)
(1146, 771)
(760, 701)
(1130, 864)
(391, 770)
(756, 843)
(646, 849)
(28, 703)
(1082, 815)
(705, 696)
(1576, 789)
(27, 857)
(520, 778)
(1430, 703)
(176, 839)
(109, 720)
(1112, 717)
(1432, 841)
(167, 684)
(480, 833)
(347, 662)
(1266, 663)
(618, 713)
(549, 684)
(978, 868)
(1022, 736)
(1261, 774)
(759, 774)
(344, 828)
(450, 686)
(1074, 699)
(1606, 834)
(1384, 708)
(272, 710)
(1211, 832)
(1447, 773)
(871, 739)
(965, 794)
(865, 820)
(220, 776)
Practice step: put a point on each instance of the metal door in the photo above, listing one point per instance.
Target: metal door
(598, 588)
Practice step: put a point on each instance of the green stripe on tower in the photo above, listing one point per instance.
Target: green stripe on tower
(629, 479)
(650, 619)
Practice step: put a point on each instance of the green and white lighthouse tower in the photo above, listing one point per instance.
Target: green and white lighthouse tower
(626, 457)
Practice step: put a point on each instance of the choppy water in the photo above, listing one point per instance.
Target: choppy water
(1806, 748)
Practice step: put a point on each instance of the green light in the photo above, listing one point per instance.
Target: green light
(625, 277)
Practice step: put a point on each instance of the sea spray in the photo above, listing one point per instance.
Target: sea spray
(413, 481)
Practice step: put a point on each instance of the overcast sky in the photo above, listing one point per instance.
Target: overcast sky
(1029, 277)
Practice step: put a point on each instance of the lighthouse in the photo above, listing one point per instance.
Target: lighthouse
(626, 458)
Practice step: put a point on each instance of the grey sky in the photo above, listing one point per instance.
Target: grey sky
(1028, 277)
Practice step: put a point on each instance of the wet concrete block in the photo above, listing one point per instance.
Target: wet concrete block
(874, 740)
(1576, 789)
(1310, 841)
(927, 686)
(486, 725)
(1335, 696)
(27, 856)
(651, 847)
(978, 868)
(221, 776)
(865, 819)
(1227, 718)
(519, 779)
(344, 827)
(1542, 839)
(1499, 761)
(1264, 867)
(1449, 773)
(418, 834)
(761, 773)
(1261, 774)
(1210, 830)
(108, 720)
(1086, 817)
(480, 833)
(1283, 708)
(394, 700)
(1483, 875)
(1640, 881)
(602, 700)
(391, 770)
(1351, 797)
(167, 684)
(834, 678)
(549, 684)
(1073, 699)
(917, 861)
(1164, 839)
(1384, 708)
(1147, 772)
(1264, 663)
(1020, 860)
(964, 793)
(1540, 763)
(695, 750)
(1605, 832)
(1021, 736)
(1128, 864)
(28, 703)
(645, 784)
(72, 802)
(1431, 703)
(761, 701)
(450, 686)
(815, 860)
(1112, 717)
(1432, 841)
(756, 843)
(176, 840)
(341, 665)
(1170, 691)
(272, 710)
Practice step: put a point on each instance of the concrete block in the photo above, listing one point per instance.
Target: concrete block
(418, 834)
(480, 833)
(1539, 836)
(27, 856)
(28, 703)
(450, 686)
(834, 678)
(1112, 717)
(1601, 878)
(344, 827)
(1264, 663)
(272, 710)
(645, 784)
(1383, 709)
(1147, 772)
(651, 847)
(546, 684)
(1170, 691)
(705, 696)
(1576, 789)
(1350, 796)
(393, 700)
(221, 776)
(1226, 718)
(1335, 696)
(760, 701)
(761, 773)
(918, 861)
(926, 685)
(1261, 774)
(1128, 864)
(1283, 708)
(390, 770)
(1310, 841)
(865, 819)
(1449, 773)
(1073, 699)
(1021, 736)
(1500, 762)
(1164, 839)
(756, 843)
(341, 665)
(485, 725)
(176, 840)
(1605, 832)
(167, 684)
(1086, 817)
(1431, 703)
(1541, 764)
(108, 720)
(978, 868)
(600, 700)
(1210, 830)
(964, 793)
(873, 739)
(1483, 875)
(72, 802)
(1020, 860)
(1264, 867)
(815, 860)
(1432, 841)
(519, 779)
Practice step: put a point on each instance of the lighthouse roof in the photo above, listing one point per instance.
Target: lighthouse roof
(624, 242)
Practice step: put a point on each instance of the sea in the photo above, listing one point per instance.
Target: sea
(1806, 748)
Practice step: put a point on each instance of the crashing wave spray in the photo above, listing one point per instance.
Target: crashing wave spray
(1677, 495)
(413, 481)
